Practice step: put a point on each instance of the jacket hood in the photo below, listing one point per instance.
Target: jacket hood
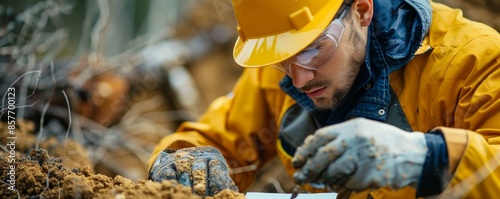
(400, 26)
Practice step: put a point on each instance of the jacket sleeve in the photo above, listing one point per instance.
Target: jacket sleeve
(242, 125)
(473, 127)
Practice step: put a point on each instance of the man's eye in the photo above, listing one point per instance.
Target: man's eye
(311, 52)
(308, 54)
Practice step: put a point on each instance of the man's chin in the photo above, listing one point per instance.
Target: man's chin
(324, 103)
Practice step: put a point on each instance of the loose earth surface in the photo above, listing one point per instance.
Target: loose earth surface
(37, 175)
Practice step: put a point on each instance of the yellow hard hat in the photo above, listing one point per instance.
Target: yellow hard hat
(271, 31)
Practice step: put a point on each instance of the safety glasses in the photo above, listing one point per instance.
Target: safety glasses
(320, 50)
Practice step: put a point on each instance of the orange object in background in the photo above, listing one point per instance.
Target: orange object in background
(104, 98)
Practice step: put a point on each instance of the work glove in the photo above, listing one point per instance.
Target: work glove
(360, 154)
(204, 169)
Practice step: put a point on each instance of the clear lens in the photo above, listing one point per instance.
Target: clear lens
(319, 52)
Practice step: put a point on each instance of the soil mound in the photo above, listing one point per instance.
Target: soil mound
(41, 176)
(27, 172)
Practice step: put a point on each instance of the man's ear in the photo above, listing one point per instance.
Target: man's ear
(364, 11)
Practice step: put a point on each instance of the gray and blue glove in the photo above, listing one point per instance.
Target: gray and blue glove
(360, 154)
(204, 169)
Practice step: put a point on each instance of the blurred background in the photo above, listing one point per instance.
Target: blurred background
(99, 82)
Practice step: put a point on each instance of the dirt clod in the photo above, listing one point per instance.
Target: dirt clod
(34, 174)
(39, 175)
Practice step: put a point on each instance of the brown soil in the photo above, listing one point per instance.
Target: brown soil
(72, 152)
(37, 175)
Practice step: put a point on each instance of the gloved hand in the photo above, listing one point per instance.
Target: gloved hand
(204, 169)
(360, 154)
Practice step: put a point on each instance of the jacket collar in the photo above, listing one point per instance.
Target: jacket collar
(397, 30)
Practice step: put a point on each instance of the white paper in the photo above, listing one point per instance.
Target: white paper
(259, 195)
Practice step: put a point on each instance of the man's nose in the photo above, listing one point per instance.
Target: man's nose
(300, 75)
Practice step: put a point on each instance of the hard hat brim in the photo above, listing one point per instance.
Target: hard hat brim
(264, 51)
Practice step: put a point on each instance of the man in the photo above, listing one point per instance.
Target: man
(419, 79)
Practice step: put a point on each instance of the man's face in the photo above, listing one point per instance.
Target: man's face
(329, 85)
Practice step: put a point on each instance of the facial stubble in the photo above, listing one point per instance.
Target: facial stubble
(357, 60)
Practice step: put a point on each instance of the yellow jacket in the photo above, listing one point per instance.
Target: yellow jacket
(452, 83)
